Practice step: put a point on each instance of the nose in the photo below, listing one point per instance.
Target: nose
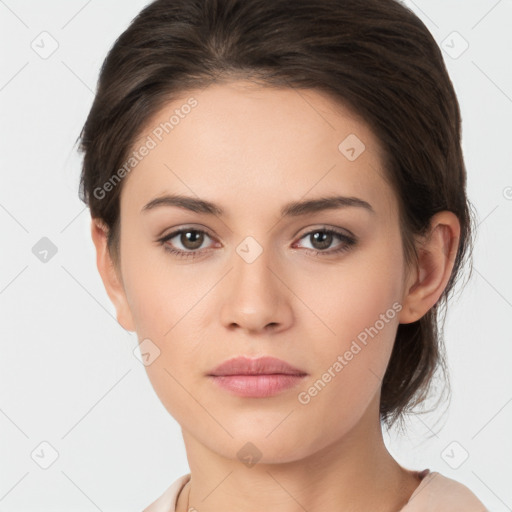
(255, 296)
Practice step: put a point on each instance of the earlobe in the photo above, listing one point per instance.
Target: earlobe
(436, 257)
(110, 275)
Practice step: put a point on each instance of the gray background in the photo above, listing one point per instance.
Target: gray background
(68, 375)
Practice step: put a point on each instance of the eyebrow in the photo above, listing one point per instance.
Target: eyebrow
(292, 209)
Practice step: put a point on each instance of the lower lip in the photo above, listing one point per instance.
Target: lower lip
(257, 386)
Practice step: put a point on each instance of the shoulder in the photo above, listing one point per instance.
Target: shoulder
(438, 493)
(167, 501)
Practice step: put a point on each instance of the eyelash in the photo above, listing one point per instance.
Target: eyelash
(349, 242)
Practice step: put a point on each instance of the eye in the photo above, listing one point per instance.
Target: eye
(192, 240)
(322, 239)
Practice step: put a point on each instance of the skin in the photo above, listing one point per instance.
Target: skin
(251, 150)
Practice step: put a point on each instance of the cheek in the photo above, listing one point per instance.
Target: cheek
(361, 307)
(162, 306)
(348, 375)
(160, 292)
(360, 294)
(166, 302)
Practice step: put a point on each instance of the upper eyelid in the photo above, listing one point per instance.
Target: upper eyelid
(176, 232)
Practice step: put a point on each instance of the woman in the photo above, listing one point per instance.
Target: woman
(278, 202)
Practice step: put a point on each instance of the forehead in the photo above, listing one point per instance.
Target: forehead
(247, 146)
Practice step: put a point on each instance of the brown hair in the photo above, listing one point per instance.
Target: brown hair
(375, 57)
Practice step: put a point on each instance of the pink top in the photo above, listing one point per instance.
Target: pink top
(436, 493)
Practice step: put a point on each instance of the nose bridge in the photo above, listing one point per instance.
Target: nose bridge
(252, 263)
(255, 297)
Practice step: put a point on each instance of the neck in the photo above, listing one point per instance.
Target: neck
(355, 473)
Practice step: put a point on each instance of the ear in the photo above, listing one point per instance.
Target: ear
(110, 275)
(436, 256)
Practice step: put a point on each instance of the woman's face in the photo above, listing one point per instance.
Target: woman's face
(249, 282)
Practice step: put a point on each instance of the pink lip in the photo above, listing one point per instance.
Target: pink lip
(257, 378)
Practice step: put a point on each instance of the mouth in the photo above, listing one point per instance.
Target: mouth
(256, 378)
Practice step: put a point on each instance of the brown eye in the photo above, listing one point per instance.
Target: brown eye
(322, 239)
(192, 239)
(185, 242)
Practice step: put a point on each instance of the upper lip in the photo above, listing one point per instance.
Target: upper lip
(259, 366)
